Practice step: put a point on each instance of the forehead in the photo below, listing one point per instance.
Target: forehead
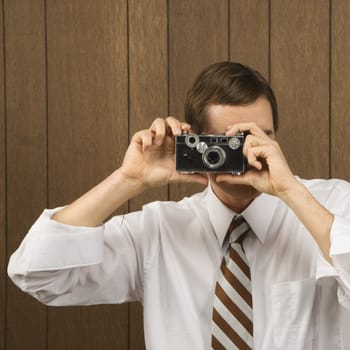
(221, 116)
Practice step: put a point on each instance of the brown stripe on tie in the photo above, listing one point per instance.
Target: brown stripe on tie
(234, 224)
(231, 334)
(234, 309)
(240, 239)
(240, 262)
(229, 320)
(236, 284)
(216, 345)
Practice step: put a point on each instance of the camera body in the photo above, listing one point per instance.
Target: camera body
(210, 153)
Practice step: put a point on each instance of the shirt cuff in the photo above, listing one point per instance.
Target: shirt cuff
(340, 244)
(52, 245)
(340, 236)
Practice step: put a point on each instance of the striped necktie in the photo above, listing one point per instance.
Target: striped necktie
(232, 323)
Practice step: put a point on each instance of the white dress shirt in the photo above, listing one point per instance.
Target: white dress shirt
(167, 256)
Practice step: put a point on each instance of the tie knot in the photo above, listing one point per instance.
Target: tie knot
(237, 230)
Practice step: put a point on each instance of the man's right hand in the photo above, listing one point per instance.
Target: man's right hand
(150, 158)
(149, 162)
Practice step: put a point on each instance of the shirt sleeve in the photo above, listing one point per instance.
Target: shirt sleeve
(340, 254)
(335, 196)
(60, 264)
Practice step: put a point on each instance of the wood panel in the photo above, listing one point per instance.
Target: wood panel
(198, 36)
(148, 73)
(26, 154)
(88, 119)
(249, 34)
(340, 90)
(89, 123)
(148, 100)
(300, 77)
(3, 280)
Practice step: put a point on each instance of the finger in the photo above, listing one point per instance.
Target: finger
(186, 127)
(159, 129)
(260, 157)
(252, 128)
(253, 160)
(253, 141)
(146, 139)
(137, 137)
(174, 124)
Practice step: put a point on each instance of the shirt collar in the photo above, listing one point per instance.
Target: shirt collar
(219, 214)
(258, 215)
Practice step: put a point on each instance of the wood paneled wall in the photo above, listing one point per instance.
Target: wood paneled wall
(79, 77)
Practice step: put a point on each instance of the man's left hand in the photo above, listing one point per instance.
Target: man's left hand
(268, 170)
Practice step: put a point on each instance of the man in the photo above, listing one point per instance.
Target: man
(168, 255)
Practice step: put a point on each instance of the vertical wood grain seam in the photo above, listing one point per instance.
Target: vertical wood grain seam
(229, 29)
(330, 148)
(5, 171)
(128, 70)
(129, 130)
(47, 141)
(47, 104)
(269, 41)
(168, 69)
(168, 55)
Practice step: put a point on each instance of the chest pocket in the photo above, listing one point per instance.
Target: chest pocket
(292, 312)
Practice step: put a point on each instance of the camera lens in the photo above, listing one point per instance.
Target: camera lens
(214, 157)
(191, 140)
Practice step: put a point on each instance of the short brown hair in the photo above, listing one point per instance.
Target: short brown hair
(226, 83)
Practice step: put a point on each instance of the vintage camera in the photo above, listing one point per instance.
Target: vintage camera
(210, 153)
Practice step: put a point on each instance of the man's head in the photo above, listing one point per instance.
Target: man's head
(226, 84)
(226, 94)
